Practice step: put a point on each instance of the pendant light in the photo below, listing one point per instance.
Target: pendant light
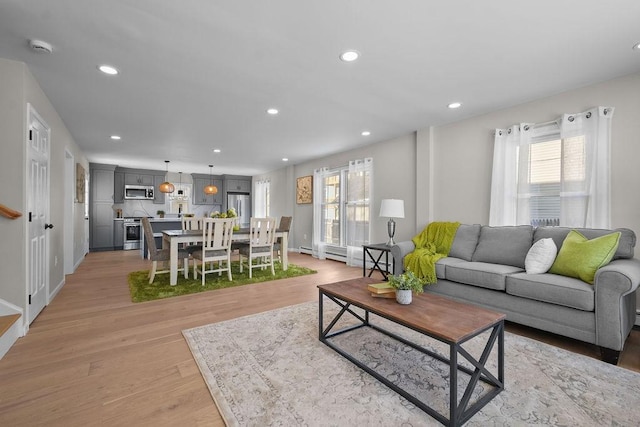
(210, 189)
(166, 187)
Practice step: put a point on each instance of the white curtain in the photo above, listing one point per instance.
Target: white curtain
(319, 247)
(584, 196)
(503, 209)
(586, 202)
(261, 198)
(358, 214)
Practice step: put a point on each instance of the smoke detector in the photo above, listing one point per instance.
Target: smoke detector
(40, 46)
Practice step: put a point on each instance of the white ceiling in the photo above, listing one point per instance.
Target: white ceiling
(199, 74)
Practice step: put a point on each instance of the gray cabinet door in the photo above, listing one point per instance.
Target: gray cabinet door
(158, 196)
(138, 179)
(101, 210)
(199, 198)
(118, 234)
(217, 198)
(239, 185)
(118, 187)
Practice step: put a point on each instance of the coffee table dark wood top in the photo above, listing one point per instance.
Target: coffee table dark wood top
(440, 317)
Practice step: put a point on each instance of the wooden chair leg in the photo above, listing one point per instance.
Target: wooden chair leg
(152, 272)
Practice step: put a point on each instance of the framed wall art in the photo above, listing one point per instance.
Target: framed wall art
(80, 180)
(304, 189)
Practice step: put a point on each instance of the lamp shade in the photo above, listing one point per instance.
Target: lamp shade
(210, 189)
(166, 187)
(392, 208)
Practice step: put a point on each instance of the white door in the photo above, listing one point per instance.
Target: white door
(38, 213)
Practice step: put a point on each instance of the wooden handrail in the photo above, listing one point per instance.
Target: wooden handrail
(9, 213)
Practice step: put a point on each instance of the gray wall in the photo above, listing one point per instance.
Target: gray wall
(17, 88)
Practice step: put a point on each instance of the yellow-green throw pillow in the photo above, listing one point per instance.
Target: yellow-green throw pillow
(580, 257)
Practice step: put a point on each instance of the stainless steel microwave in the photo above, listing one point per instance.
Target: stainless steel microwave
(139, 192)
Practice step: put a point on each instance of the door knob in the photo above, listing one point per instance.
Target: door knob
(48, 226)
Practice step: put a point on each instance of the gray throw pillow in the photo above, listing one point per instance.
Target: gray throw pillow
(506, 245)
(465, 241)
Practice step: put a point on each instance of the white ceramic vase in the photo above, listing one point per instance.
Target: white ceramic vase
(403, 296)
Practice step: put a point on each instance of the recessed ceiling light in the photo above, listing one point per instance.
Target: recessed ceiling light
(108, 69)
(40, 46)
(365, 133)
(216, 150)
(284, 159)
(636, 46)
(349, 55)
(116, 137)
(454, 105)
(272, 111)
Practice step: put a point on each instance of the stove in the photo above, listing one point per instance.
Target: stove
(132, 234)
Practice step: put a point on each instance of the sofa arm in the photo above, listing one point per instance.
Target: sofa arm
(399, 250)
(615, 286)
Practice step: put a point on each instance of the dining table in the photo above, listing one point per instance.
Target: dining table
(173, 238)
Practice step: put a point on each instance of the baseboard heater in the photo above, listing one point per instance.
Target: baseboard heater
(330, 253)
(336, 255)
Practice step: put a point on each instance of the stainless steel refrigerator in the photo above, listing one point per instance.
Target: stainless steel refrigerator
(242, 204)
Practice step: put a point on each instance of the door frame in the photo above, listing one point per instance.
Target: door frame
(69, 211)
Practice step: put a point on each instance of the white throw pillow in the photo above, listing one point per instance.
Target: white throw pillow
(541, 256)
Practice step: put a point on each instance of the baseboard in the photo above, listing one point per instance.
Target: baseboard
(56, 290)
(637, 325)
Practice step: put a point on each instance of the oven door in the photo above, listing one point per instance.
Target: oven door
(131, 235)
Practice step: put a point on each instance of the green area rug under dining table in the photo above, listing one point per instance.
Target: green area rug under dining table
(141, 290)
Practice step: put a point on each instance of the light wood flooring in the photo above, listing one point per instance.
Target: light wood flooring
(93, 357)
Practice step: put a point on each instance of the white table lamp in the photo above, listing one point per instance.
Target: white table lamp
(392, 208)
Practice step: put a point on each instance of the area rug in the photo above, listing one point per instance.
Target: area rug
(270, 369)
(141, 290)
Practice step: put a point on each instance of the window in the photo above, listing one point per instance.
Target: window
(550, 162)
(554, 173)
(342, 200)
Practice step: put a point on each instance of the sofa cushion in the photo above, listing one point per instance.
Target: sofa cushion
(625, 245)
(465, 242)
(442, 263)
(541, 256)
(580, 257)
(554, 289)
(507, 245)
(485, 275)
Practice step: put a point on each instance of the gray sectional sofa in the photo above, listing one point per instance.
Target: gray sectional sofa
(486, 267)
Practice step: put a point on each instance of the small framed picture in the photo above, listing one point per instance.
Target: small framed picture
(304, 189)
(80, 180)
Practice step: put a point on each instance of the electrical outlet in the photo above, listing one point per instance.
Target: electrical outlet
(305, 237)
(55, 260)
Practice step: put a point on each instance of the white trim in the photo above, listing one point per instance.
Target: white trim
(57, 289)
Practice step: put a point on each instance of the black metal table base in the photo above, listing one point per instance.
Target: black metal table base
(460, 412)
(383, 250)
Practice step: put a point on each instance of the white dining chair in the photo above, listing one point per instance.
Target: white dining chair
(260, 246)
(216, 246)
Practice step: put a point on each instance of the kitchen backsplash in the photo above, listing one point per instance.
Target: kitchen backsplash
(131, 208)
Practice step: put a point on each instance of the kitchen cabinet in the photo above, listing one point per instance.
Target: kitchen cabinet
(118, 233)
(101, 188)
(238, 185)
(138, 179)
(158, 196)
(118, 187)
(199, 182)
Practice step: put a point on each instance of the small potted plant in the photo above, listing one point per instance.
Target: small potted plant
(160, 214)
(405, 284)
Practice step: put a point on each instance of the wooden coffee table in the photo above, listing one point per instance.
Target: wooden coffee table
(441, 318)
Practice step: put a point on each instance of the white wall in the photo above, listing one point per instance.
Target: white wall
(17, 88)
(464, 152)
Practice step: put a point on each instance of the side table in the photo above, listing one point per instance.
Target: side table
(383, 249)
